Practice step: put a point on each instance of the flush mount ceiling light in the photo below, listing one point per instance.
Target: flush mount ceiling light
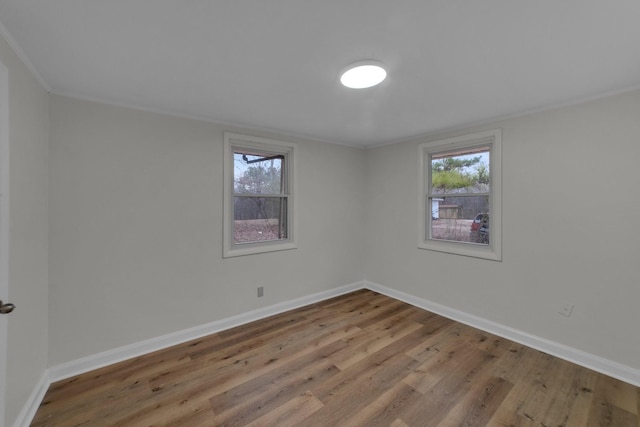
(363, 74)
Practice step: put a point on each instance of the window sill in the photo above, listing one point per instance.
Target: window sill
(464, 249)
(243, 250)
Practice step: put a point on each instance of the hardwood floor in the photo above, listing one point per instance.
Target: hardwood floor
(361, 359)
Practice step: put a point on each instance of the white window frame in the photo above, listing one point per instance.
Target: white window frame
(232, 143)
(493, 139)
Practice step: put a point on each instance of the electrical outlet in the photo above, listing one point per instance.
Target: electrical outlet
(566, 310)
(260, 291)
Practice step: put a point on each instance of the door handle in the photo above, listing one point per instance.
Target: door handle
(6, 308)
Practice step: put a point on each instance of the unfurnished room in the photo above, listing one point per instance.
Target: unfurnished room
(319, 213)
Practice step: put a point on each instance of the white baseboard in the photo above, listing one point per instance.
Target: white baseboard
(579, 357)
(33, 403)
(86, 364)
(588, 360)
(109, 357)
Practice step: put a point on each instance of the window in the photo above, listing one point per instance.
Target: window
(258, 191)
(460, 195)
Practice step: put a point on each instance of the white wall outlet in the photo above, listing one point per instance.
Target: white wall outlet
(566, 310)
(260, 291)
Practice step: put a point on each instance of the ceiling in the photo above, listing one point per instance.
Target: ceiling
(274, 64)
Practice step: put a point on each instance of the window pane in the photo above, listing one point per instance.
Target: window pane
(257, 173)
(459, 219)
(259, 219)
(461, 171)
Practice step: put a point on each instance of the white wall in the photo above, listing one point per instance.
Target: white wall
(28, 152)
(570, 229)
(136, 228)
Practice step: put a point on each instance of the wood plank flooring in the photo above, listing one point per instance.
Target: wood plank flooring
(361, 359)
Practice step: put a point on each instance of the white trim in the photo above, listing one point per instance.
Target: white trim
(239, 126)
(421, 135)
(33, 402)
(109, 357)
(4, 230)
(89, 363)
(464, 127)
(588, 360)
(6, 35)
(288, 149)
(492, 251)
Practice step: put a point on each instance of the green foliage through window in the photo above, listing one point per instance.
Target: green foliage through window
(461, 171)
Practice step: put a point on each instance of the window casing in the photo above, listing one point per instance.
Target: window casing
(460, 195)
(258, 195)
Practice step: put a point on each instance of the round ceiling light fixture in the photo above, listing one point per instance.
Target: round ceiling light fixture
(363, 74)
